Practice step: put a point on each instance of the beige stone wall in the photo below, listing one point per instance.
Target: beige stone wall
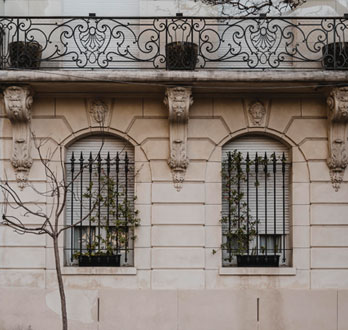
(173, 310)
(179, 230)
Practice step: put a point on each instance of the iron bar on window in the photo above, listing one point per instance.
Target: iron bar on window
(254, 198)
(105, 195)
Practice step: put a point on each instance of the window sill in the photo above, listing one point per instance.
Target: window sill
(99, 271)
(257, 271)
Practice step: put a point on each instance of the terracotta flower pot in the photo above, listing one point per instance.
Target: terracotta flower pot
(181, 55)
(25, 55)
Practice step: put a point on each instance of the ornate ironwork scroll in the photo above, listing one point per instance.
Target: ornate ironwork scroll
(337, 134)
(18, 102)
(133, 43)
(178, 101)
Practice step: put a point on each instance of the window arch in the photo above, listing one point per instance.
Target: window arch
(255, 204)
(100, 202)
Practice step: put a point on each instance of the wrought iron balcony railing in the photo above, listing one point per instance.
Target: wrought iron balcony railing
(176, 43)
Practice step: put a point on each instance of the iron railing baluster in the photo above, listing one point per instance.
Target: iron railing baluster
(99, 161)
(117, 203)
(283, 177)
(90, 170)
(239, 172)
(108, 186)
(274, 203)
(266, 176)
(72, 164)
(126, 170)
(247, 183)
(81, 198)
(257, 201)
(229, 206)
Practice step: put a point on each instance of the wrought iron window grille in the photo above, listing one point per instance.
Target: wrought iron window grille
(255, 210)
(102, 193)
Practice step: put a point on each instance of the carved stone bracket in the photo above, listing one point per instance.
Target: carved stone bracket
(178, 101)
(337, 134)
(18, 102)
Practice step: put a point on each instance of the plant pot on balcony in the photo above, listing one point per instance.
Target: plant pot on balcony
(100, 261)
(258, 260)
(335, 56)
(181, 55)
(25, 55)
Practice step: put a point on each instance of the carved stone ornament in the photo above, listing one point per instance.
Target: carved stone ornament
(337, 134)
(18, 102)
(257, 112)
(98, 110)
(178, 101)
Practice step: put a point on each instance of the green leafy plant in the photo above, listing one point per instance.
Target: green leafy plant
(118, 223)
(239, 227)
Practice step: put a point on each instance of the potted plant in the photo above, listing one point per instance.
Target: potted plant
(335, 56)
(239, 227)
(25, 54)
(258, 260)
(99, 260)
(181, 55)
(117, 225)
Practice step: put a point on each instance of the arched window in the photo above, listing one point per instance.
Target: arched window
(100, 202)
(255, 205)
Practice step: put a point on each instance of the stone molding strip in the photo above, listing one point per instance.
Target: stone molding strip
(199, 76)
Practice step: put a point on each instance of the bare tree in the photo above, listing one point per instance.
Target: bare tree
(16, 210)
(254, 7)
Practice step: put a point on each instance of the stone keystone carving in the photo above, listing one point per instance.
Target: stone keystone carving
(337, 134)
(98, 110)
(18, 102)
(257, 112)
(178, 101)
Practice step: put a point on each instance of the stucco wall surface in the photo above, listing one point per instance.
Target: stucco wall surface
(172, 310)
(179, 230)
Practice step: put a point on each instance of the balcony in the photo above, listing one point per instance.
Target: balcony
(174, 43)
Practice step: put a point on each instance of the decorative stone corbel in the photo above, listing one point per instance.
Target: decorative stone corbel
(337, 134)
(18, 102)
(178, 101)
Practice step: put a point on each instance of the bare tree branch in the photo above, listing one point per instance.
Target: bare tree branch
(253, 7)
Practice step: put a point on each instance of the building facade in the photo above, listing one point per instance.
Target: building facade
(178, 130)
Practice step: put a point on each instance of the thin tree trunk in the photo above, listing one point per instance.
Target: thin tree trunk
(60, 284)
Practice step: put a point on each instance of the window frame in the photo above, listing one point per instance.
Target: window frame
(288, 237)
(123, 160)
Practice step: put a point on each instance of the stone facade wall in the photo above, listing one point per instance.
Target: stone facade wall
(179, 230)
